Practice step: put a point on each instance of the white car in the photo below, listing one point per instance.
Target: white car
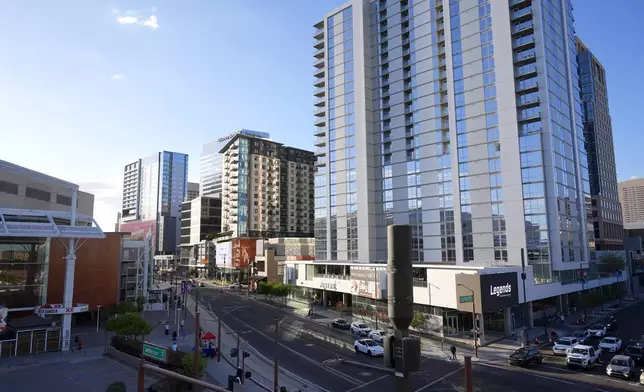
(597, 330)
(358, 328)
(377, 335)
(582, 356)
(563, 345)
(642, 377)
(236, 286)
(369, 347)
(610, 344)
(582, 336)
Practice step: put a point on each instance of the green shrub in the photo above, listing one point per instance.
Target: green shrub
(118, 386)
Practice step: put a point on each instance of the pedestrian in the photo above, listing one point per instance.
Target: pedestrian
(174, 335)
(174, 346)
(181, 323)
(452, 349)
(183, 333)
(75, 342)
(167, 328)
(562, 318)
(80, 344)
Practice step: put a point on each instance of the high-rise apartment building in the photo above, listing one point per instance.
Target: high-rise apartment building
(210, 162)
(153, 190)
(193, 191)
(460, 118)
(631, 197)
(267, 189)
(606, 211)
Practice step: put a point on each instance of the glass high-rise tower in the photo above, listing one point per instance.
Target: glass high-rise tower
(459, 118)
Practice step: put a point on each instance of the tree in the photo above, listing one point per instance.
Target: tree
(418, 321)
(128, 325)
(188, 364)
(610, 263)
(118, 386)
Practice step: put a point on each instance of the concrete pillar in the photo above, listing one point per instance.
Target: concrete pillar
(565, 307)
(530, 320)
(559, 304)
(507, 315)
(481, 329)
(345, 299)
(325, 299)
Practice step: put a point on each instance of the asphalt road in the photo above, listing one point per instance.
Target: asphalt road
(303, 354)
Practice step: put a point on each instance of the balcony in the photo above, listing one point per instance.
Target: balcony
(318, 63)
(320, 142)
(523, 42)
(521, 13)
(319, 92)
(320, 153)
(530, 116)
(525, 86)
(319, 102)
(525, 71)
(514, 3)
(319, 33)
(319, 73)
(320, 122)
(525, 56)
(319, 54)
(522, 27)
(522, 101)
(320, 112)
(320, 82)
(320, 131)
(319, 44)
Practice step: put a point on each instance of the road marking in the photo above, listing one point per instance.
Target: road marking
(439, 379)
(528, 373)
(367, 383)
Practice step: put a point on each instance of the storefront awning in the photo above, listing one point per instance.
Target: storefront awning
(163, 286)
(257, 278)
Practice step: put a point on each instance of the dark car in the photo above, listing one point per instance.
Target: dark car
(636, 352)
(611, 323)
(525, 356)
(340, 324)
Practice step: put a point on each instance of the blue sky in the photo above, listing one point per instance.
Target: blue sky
(90, 86)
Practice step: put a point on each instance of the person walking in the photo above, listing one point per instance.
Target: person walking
(167, 328)
(174, 346)
(174, 335)
(452, 349)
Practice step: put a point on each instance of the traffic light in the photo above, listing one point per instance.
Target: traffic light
(233, 353)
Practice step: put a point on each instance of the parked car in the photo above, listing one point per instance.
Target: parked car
(358, 328)
(202, 284)
(621, 366)
(525, 356)
(611, 344)
(563, 345)
(642, 377)
(636, 352)
(340, 324)
(582, 356)
(582, 336)
(236, 286)
(597, 330)
(369, 347)
(377, 335)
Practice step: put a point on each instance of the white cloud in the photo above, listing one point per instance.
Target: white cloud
(634, 177)
(117, 77)
(138, 18)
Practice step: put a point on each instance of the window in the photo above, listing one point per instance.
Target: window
(8, 187)
(64, 200)
(38, 194)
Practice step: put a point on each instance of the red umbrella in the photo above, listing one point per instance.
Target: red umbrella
(208, 336)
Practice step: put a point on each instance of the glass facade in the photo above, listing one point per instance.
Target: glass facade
(24, 264)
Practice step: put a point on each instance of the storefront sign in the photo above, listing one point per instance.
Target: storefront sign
(499, 291)
(57, 309)
(369, 289)
(366, 274)
(329, 286)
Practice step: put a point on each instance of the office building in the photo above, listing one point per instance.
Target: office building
(631, 197)
(598, 133)
(210, 162)
(193, 191)
(200, 219)
(267, 189)
(153, 190)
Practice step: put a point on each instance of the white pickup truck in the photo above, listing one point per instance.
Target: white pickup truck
(583, 356)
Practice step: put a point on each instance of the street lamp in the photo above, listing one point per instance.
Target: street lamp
(237, 333)
(475, 330)
(98, 316)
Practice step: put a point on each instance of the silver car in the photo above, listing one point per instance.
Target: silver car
(621, 366)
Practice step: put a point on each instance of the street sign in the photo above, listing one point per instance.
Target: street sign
(466, 298)
(155, 352)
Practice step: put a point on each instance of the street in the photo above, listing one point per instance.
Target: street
(303, 352)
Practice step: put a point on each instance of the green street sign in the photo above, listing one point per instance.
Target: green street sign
(155, 352)
(466, 298)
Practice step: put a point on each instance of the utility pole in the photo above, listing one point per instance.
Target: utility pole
(468, 374)
(525, 298)
(276, 361)
(243, 365)
(238, 353)
(218, 339)
(375, 294)
(474, 328)
(197, 338)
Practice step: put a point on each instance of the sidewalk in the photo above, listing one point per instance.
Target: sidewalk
(261, 368)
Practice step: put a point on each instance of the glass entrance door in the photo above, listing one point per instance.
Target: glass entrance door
(452, 325)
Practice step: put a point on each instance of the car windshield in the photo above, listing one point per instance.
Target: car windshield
(609, 340)
(582, 351)
(362, 326)
(371, 343)
(521, 351)
(619, 362)
(633, 350)
(340, 321)
(563, 342)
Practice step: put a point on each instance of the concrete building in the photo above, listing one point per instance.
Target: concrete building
(598, 133)
(193, 191)
(273, 254)
(200, 218)
(631, 197)
(211, 164)
(153, 190)
(267, 189)
(462, 119)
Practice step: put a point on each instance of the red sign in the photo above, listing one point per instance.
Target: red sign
(139, 230)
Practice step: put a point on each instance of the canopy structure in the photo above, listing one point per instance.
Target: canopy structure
(47, 224)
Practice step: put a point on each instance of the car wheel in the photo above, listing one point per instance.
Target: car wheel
(356, 348)
(540, 361)
(369, 353)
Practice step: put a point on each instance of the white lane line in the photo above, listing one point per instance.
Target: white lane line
(439, 379)
(348, 378)
(365, 384)
(527, 373)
